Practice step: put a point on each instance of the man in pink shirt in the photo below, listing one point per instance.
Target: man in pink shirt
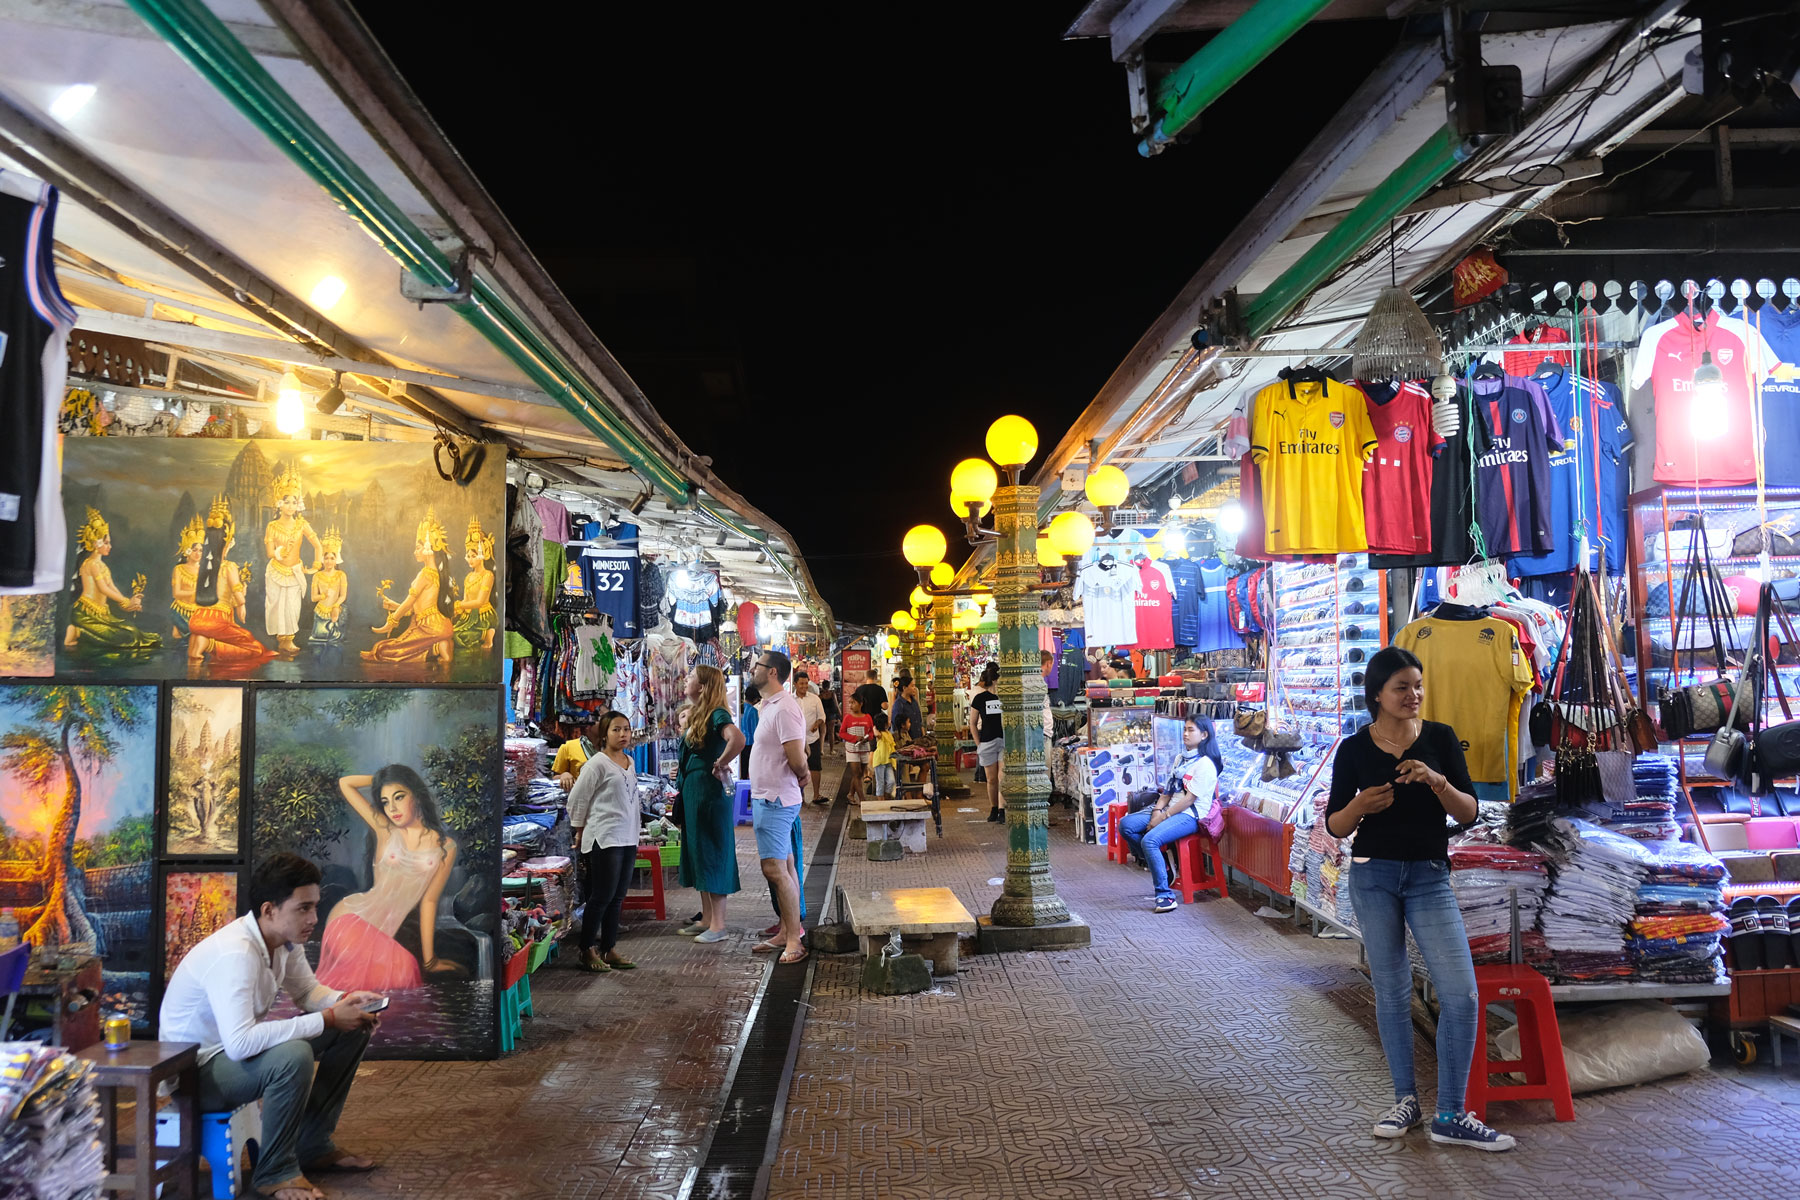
(778, 776)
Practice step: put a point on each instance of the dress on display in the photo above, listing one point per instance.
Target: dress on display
(359, 951)
(709, 830)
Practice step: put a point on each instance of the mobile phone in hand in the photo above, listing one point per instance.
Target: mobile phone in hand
(375, 1006)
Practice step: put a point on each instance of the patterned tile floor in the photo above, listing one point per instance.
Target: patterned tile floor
(1207, 1053)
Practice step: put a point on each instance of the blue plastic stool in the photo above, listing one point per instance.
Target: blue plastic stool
(743, 803)
(222, 1135)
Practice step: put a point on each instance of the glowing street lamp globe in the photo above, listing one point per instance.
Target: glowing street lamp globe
(942, 574)
(1012, 441)
(924, 546)
(1046, 552)
(1107, 487)
(1071, 534)
(974, 478)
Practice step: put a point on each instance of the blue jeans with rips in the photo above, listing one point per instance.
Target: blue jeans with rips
(1136, 830)
(1389, 896)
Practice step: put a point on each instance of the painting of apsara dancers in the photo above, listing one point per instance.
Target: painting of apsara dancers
(396, 794)
(285, 561)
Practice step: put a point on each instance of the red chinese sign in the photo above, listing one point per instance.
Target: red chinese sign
(1477, 277)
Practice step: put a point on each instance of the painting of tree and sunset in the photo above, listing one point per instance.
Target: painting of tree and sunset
(77, 834)
(291, 561)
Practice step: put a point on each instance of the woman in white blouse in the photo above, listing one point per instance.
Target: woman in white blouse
(603, 811)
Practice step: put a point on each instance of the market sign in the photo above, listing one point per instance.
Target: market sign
(1477, 277)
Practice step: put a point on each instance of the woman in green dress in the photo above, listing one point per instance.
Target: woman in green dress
(709, 745)
(94, 634)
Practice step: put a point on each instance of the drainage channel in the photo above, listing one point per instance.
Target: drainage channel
(736, 1162)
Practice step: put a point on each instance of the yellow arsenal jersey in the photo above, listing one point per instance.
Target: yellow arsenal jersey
(1311, 441)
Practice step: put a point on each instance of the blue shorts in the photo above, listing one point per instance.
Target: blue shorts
(774, 822)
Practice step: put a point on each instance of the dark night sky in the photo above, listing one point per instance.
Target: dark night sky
(831, 255)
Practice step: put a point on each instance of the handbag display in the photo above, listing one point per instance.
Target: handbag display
(1772, 752)
(1594, 724)
(1699, 708)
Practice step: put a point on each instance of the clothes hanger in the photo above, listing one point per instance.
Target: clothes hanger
(1489, 370)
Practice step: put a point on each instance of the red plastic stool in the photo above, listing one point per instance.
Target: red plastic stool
(1540, 1043)
(1116, 849)
(1191, 854)
(654, 901)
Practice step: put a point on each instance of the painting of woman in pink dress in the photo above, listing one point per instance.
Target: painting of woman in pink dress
(414, 855)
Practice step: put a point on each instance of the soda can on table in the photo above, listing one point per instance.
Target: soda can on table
(118, 1032)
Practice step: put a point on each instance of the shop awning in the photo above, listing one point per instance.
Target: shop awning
(1588, 88)
(251, 189)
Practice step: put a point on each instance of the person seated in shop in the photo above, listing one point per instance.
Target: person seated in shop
(1189, 804)
(301, 1068)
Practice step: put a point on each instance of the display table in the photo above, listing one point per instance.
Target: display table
(142, 1067)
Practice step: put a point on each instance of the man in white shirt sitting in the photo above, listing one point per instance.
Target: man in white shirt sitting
(219, 996)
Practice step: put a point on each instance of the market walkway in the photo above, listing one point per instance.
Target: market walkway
(1208, 1052)
(1205, 1053)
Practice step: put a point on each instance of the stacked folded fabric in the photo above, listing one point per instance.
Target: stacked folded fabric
(1487, 876)
(1650, 817)
(1595, 876)
(1678, 933)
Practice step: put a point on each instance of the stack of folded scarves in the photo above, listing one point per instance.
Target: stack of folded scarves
(1595, 876)
(1485, 876)
(1650, 817)
(1677, 935)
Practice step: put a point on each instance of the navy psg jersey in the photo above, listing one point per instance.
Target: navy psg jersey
(1512, 472)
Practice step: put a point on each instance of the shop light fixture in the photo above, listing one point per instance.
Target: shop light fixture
(1706, 410)
(327, 292)
(71, 100)
(1174, 540)
(290, 405)
(1231, 520)
(1106, 489)
(333, 399)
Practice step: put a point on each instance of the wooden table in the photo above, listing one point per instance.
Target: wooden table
(143, 1067)
(928, 921)
(73, 998)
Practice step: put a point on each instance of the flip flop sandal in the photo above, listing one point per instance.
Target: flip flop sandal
(335, 1163)
(788, 961)
(297, 1183)
(622, 964)
(768, 947)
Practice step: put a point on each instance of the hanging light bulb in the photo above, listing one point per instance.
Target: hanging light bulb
(290, 405)
(1706, 411)
(1174, 541)
(1231, 520)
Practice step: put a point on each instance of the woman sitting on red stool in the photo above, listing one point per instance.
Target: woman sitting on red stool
(1189, 804)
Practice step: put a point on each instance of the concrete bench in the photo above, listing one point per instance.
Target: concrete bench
(928, 921)
(900, 821)
(1781, 1026)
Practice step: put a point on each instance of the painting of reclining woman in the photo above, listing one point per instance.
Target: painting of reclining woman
(320, 562)
(396, 794)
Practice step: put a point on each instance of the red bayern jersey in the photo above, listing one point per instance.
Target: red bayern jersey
(1710, 442)
(1397, 486)
(1155, 608)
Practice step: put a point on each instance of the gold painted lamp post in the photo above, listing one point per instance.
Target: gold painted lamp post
(1029, 896)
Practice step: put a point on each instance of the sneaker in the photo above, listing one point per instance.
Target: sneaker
(692, 929)
(711, 936)
(772, 930)
(1466, 1130)
(995, 816)
(1400, 1119)
(1165, 906)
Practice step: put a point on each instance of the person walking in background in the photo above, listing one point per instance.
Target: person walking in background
(858, 732)
(989, 734)
(828, 697)
(747, 723)
(709, 741)
(813, 710)
(1189, 804)
(1392, 784)
(778, 775)
(603, 815)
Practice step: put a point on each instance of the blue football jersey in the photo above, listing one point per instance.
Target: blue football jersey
(610, 575)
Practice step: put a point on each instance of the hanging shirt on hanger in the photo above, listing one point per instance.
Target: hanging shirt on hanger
(1397, 487)
(1512, 474)
(1523, 362)
(1215, 630)
(610, 577)
(1184, 575)
(1780, 328)
(1701, 441)
(1475, 673)
(1585, 472)
(1311, 439)
(1108, 592)
(35, 321)
(1155, 607)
